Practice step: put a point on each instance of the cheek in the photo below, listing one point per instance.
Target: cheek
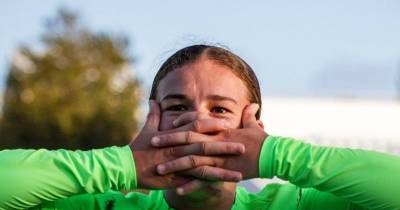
(236, 122)
(236, 119)
(233, 120)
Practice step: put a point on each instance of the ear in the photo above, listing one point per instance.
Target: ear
(260, 123)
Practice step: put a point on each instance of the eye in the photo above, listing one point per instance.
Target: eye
(219, 110)
(176, 108)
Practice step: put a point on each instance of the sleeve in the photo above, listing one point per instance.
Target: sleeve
(366, 178)
(31, 177)
(76, 202)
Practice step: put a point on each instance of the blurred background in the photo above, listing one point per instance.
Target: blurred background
(76, 74)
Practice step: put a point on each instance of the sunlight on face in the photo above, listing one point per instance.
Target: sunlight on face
(204, 87)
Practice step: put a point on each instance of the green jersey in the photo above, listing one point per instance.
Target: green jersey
(321, 178)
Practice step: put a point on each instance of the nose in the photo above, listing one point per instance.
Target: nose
(190, 117)
(198, 112)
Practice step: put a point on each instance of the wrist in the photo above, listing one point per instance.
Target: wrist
(137, 166)
(266, 157)
(131, 173)
(252, 170)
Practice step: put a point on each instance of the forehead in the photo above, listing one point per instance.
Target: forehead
(202, 78)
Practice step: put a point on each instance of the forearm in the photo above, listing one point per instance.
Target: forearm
(30, 177)
(369, 179)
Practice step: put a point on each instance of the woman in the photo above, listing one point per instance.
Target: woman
(203, 125)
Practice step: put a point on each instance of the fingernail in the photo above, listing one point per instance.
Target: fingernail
(241, 149)
(180, 191)
(155, 141)
(239, 177)
(161, 169)
(175, 122)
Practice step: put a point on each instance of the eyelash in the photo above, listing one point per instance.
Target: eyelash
(225, 110)
(215, 109)
(176, 108)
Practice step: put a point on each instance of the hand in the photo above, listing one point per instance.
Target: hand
(251, 135)
(147, 157)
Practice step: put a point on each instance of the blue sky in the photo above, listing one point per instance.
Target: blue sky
(297, 48)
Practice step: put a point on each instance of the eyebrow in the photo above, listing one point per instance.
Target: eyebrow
(221, 98)
(175, 96)
(209, 97)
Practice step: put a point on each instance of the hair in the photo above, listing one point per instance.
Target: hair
(221, 56)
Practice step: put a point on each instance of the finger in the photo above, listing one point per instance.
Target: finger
(171, 181)
(206, 148)
(188, 117)
(204, 126)
(180, 138)
(190, 187)
(186, 163)
(214, 174)
(249, 116)
(153, 117)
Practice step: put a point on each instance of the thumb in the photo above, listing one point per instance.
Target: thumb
(249, 116)
(153, 117)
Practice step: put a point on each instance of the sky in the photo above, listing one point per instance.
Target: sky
(305, 48)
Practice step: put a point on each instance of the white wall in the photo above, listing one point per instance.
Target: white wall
(337, 122)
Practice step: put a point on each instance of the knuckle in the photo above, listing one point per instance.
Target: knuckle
(189, 137)
(203, 171)
(173, 180)
(169, 151)
(193, 161)
(203, 148)
(173, 151)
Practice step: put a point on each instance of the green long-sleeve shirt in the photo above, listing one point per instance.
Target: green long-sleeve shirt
(322, 178)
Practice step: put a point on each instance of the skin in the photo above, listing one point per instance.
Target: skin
(203, 90)
(147, 157)
(251, 135)
(206, 130)
(204, 87)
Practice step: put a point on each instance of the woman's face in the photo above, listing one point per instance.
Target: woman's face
(211, 90)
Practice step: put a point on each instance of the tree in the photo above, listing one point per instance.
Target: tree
(77, 93)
